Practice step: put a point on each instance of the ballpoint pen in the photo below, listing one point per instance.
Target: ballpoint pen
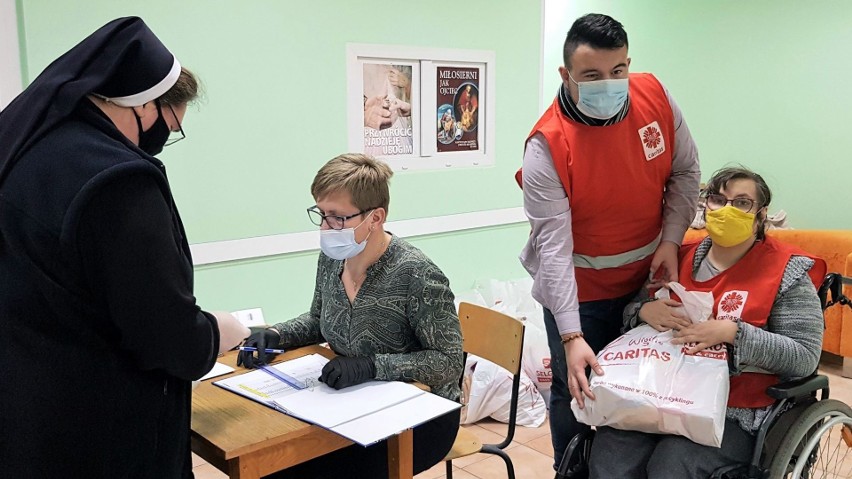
(267, 350)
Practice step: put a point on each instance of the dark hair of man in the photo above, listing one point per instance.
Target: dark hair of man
(720, 180)
(595, 30)
(185, 89)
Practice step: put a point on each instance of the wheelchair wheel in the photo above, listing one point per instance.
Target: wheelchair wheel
(816, 445)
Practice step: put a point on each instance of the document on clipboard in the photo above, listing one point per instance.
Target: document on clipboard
(366, 413)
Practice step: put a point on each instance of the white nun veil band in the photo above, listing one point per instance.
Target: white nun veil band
(156, 91)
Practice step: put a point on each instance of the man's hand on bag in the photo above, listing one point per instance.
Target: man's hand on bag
(579, 355)
(662, 315)
(707, 334)
(261, 340)
(342, 372)
(664, 264)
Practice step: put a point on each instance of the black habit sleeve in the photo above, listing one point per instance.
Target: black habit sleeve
(133, 256)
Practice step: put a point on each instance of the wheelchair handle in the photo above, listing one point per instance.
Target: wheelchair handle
(831, 290)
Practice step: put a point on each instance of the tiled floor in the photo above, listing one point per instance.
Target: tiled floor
(531, 450)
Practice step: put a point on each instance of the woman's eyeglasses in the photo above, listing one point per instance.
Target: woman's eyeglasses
(174, 136)
(716, 201)
(335, 222)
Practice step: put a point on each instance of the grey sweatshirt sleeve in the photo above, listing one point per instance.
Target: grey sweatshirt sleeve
(790, 345)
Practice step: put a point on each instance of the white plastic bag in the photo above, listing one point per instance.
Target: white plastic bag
(487, 391)
(514, 298)
(651, 385)
(536, 359)
(697, 305)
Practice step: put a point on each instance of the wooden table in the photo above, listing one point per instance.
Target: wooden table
(248, 440)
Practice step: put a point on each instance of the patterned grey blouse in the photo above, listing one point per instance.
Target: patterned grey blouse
(403, 316)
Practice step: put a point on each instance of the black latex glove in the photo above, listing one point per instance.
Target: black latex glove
(268, 338)
(342, 372)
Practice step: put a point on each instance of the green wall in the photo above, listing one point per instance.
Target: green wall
(274, 111)
(761, 82)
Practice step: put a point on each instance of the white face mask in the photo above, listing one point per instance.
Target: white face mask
(341, 244)
(601, 99)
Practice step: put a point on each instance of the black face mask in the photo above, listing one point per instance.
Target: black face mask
(153, 140)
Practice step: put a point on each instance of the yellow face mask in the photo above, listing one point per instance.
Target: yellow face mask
(729, 226)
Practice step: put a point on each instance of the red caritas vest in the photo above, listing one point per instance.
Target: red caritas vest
(614, 177)
(747, 291)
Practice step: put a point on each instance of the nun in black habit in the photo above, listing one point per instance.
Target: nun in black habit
(101, 333)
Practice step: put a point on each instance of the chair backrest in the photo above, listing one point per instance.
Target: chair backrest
(492, 335)
(500, 339)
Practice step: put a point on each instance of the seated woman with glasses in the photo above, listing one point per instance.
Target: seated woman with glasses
(766, 312)
(382, 306)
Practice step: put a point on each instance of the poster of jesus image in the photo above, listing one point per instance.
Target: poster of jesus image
(457, 113)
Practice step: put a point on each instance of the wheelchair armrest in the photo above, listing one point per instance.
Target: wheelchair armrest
(799, 387)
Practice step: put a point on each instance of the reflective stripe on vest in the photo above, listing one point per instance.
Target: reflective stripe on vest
(616, 260)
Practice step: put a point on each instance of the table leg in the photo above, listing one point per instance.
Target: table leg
(243, 468)
(401, 455)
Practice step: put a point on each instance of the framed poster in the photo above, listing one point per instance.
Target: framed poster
(421, 108)
(457, 108)
(390, 117)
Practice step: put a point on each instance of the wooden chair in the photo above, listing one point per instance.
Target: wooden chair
(499, 339)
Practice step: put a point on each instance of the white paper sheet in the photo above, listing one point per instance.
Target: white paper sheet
(329, 407)
(395, 419)
(250, 317)
(218, 370)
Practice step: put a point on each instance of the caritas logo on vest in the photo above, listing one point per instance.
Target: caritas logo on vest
(731, 305)
(652, 140)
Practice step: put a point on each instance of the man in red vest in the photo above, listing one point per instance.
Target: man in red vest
(610, 180)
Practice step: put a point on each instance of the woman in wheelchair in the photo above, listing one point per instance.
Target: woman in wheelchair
(767, 313)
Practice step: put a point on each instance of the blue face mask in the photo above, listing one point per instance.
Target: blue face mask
(341, 244)
(601, 99)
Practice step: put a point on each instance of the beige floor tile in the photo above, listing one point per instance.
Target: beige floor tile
(523, 434)
(542, 444)
(528, 463)
(206, 471)
(841, 388)
(463, 462)
(197, 461)
(435, 472)
(462, 474)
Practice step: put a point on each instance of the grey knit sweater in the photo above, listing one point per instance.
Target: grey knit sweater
(789, 346)
(403, 317)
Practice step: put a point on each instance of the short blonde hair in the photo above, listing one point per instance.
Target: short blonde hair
(362, 176)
